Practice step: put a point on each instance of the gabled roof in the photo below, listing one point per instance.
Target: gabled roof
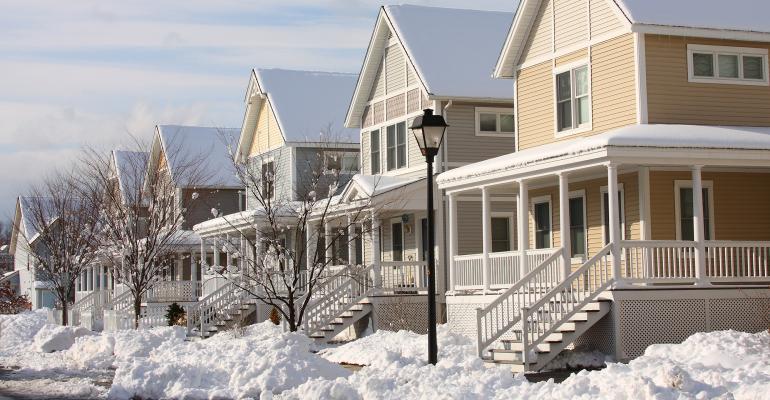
(738, 19)
(128, 166)
(183, 144)
(452, 51)
(308, 105)
(24, 223)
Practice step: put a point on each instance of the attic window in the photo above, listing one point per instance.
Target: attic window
(727, 65)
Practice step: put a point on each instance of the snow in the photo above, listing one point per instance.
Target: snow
(128, 168)
(638, 136)
(739, 15)
(57, 338)
(263, 362)
(208, 145)
(27, 217)
(307, 103)
(377, 184)
(454, 51)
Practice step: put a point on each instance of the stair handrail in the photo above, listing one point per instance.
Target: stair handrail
(349, 287)
(204, 312)
(84, 303)
(121, 302)
(506, 307)
(572, 294)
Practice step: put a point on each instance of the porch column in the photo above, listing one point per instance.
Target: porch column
(614, 208)
(452, 220)
(77, 282)
(522, 214)
(194, 273)
(110, 279)
(242, 254)
(564, 231)
(310, 245)
(91, 279)
(486, 237)
(228, 250)
(351, 241)
(216, 249)
(179, 264)
(328, 238)
(699, 232)
(203, 255)
(376, 251)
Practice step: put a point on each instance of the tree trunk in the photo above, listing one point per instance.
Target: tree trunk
(64, 319)
(137, 310)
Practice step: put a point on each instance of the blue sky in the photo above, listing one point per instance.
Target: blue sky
(90, 72)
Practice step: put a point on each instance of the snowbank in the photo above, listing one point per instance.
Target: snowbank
(52, 338)
(18, 330)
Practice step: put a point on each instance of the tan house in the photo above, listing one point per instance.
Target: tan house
(623, 111)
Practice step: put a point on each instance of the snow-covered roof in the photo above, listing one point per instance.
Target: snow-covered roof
(28, 219)
(128, 168)
(211, 146)
(373, 185)
(633, 136)
(308, 103)
(453, 52)
(738, 15)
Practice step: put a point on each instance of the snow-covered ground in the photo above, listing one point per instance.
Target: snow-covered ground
(263, 362)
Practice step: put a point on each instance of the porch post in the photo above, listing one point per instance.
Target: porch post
(228, 250)
(376, 251)
(452, 217)
(216, 249)
(194, 273)
(90, 278)
(644, 203)
(77, 283)
(699, 233)
(486, 236)
(522, 215)
(351, 241)
(110, 279)
(614, 208)
(564, 231)
(328, 242)
(310, 247)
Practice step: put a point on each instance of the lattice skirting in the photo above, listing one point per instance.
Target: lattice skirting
(396, 313)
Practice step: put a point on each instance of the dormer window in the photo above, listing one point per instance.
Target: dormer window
(573, 99)
(727, 65)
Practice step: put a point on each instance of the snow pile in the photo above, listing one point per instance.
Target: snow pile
(578, 359)
(261, 361)
(18, 330)
(52, 338)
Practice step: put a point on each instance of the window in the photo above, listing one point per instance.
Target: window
(573, 99)
(397, 241)
(495, 122)
(344, 162)
(396, 143)
(542, 210)
(268, 179)
(374, 146)
(684, 211)
(728, 65)
(577, 226)
(606, 214)
(501, 234)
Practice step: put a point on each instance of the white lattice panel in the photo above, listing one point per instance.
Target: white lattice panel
(645, 322)
(402, 316)
(742, 314)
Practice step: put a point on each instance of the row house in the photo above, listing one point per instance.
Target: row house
(637, 184)
(24, 242)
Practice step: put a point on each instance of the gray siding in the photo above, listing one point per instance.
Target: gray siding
(395, 68)
(463, 145)
(308, 160)
(469, 240)
(224, 200)
(282, 163)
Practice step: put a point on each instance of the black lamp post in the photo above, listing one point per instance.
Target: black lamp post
(429, 131)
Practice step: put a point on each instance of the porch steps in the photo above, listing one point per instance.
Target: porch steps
(342, 322)
(565, 333)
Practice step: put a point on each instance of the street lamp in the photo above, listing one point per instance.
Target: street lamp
(429, 130)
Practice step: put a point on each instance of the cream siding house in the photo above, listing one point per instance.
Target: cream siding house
(648, 100)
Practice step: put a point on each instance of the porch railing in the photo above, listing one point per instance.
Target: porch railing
(728, 261)
(504, 268)
(402, 277)
(169, 291)
(658, 261)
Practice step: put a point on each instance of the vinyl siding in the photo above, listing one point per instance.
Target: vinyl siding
(413, 100)
(570, 22)
(308, 161)
(224, 200)
(379, 83)
(365, 153)
(282, 159)
(741, 209)
(395, 68)
(396, 106)
(367, 117)
(575, 56)
(603, 18)
(268, 134)
(613, 93)
(461, 141)
(673, 100)
(540, 41)
(469, 220)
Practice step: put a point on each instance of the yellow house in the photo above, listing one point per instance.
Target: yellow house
(623, 110)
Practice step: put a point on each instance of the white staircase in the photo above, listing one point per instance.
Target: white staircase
(541, 315)
(220, 310)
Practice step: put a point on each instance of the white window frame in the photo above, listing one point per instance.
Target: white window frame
(265, 161)
(406, 145)
(573, 195)
(497, 111)
(727, 50)
(605, 234)
(512, 231)
(588, 126)
(533, 230)
(682, 184)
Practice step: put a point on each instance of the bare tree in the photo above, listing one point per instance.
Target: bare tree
(286, 276)
(143, 214)
(65, 222)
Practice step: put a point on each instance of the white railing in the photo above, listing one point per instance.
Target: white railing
(337, 294)
(731, 261)
(499, 316)
(504, 268)
(542, 317)
(170, 291)
(119, 313)
(214, 307)
(402, 277)
(658, 261)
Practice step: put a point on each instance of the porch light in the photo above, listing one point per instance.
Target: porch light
(429, 130)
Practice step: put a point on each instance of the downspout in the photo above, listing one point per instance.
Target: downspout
(443, 166)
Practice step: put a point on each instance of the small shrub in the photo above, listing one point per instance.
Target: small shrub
(12, 303)
(275, 316)
(176, 315)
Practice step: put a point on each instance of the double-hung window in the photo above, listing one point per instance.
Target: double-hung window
(495, 122)
(577, 226)
(374, 146)
(542, 211)
(573, 99)
(397, 240)
(727, 65)
(396, 146)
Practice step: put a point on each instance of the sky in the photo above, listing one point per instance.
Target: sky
(92, 72)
